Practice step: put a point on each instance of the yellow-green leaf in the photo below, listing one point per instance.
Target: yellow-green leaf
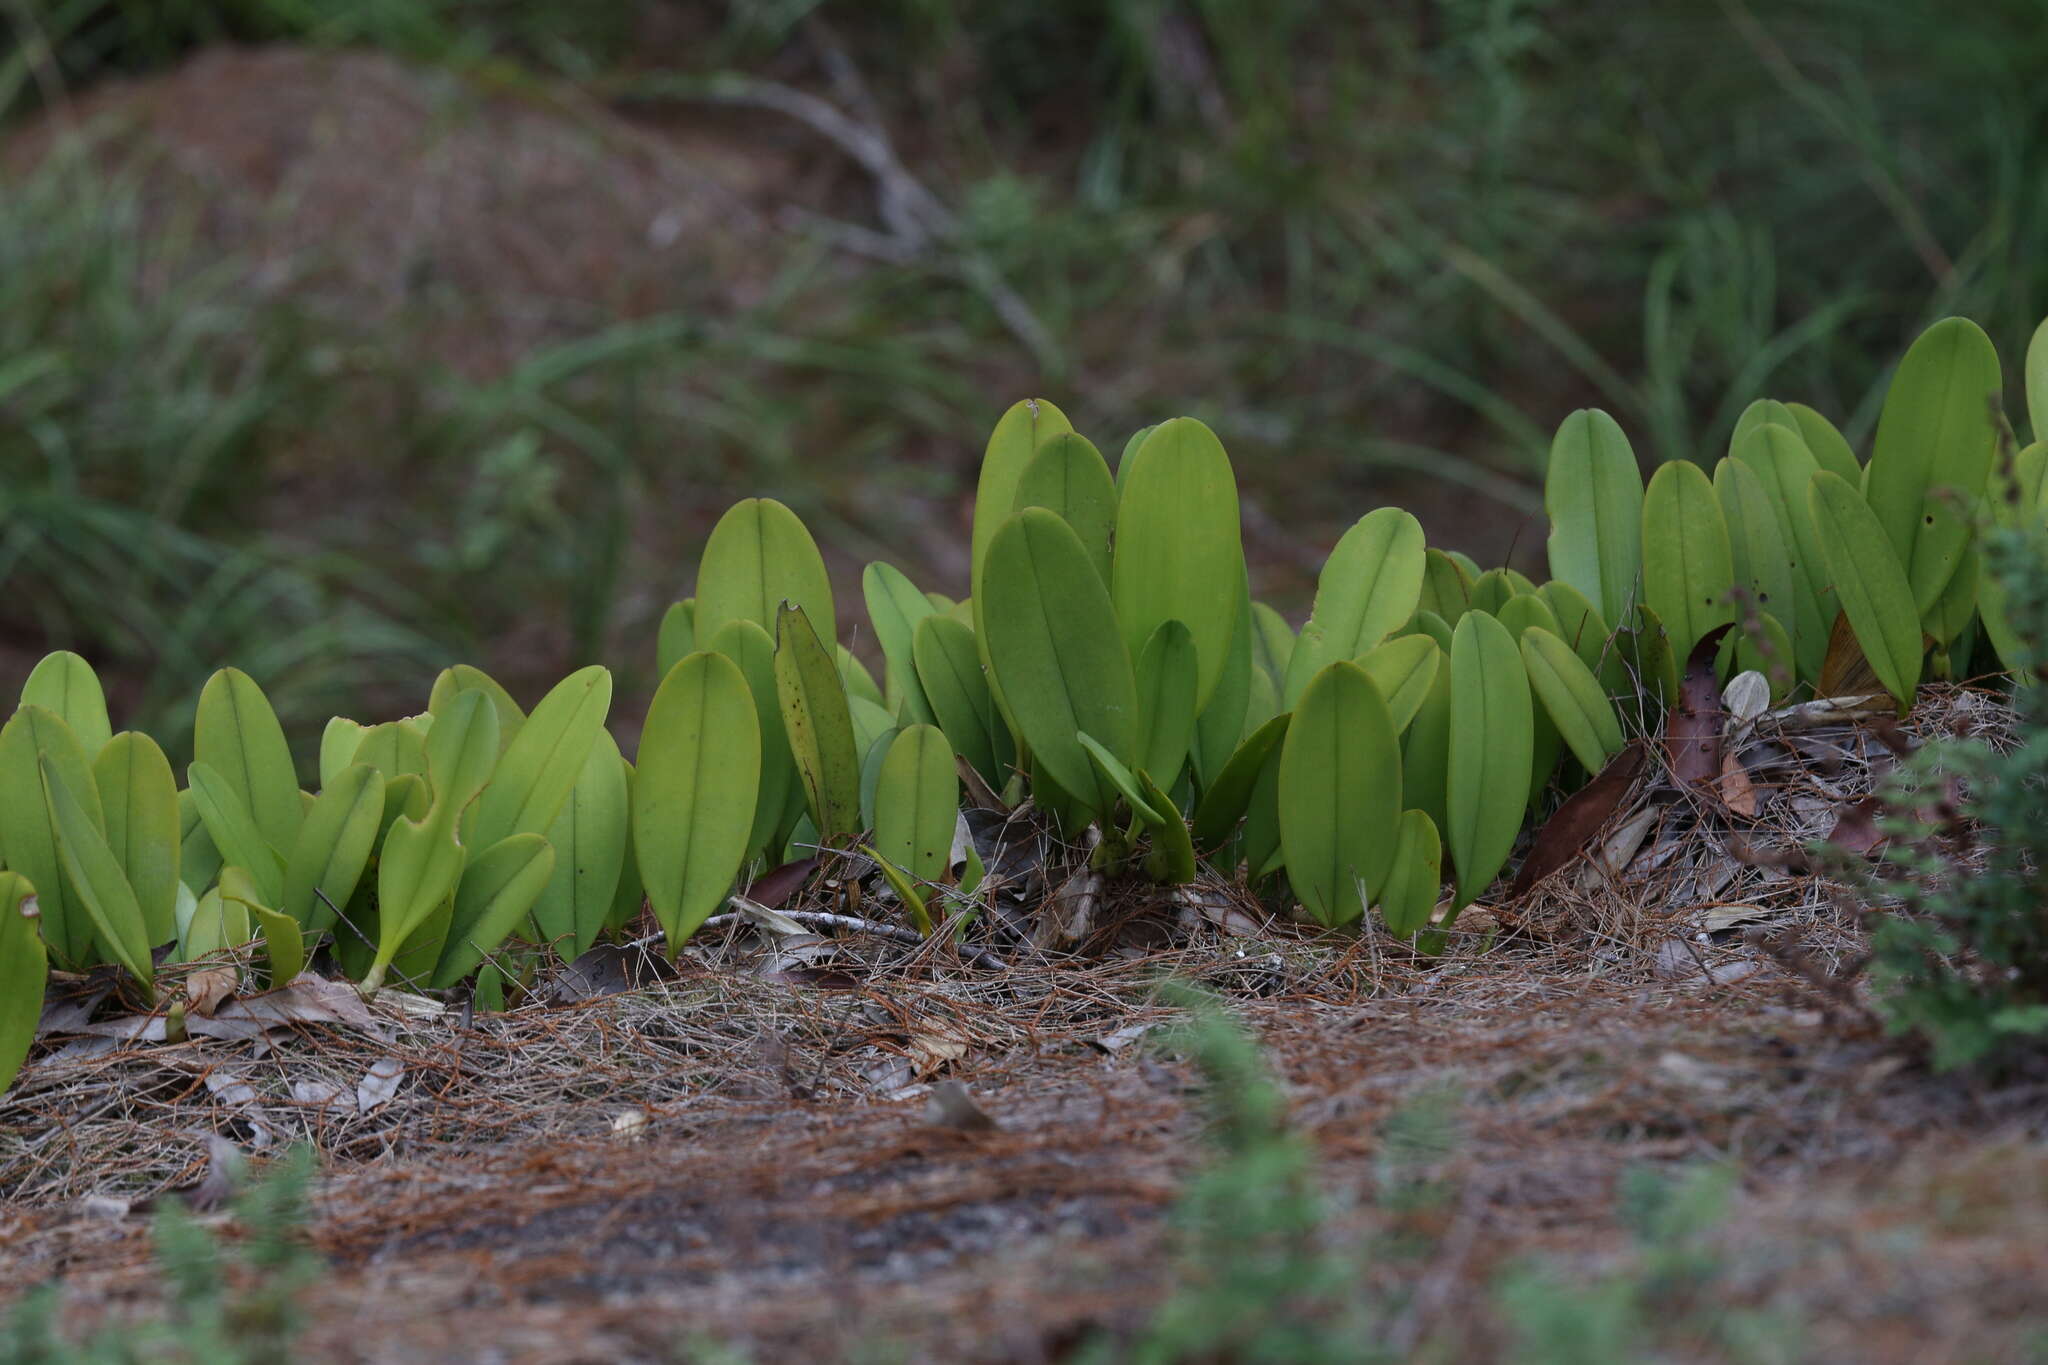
(139, 802)
(1869, 581)
(1491, 748)
(694, 790)
(1593, 495)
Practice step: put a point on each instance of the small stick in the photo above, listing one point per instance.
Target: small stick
(825, 919)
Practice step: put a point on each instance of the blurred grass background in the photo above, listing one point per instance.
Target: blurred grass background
(344, 340)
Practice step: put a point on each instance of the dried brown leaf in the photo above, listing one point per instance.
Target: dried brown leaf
(1692, 734)
(1578, 822)
(206, 988)
(1735, 789)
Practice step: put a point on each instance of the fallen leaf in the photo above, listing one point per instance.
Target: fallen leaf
(629, 1124)
(1747, 696)
(1068, 915)
(1715, 919)
(324, 1095)
(224, 1162)
(1844, 671)
(379, 1084)
(936, 1044)
(206, 988)
(238, 1095)
(773, 888)
(307, 999)
(1579, 821)
(763, 917)
(72, 1009)
(950, 1106)
(1735, 789)
(1119, 1039)
(1692, 733)
(1856, 828)
(979, 794)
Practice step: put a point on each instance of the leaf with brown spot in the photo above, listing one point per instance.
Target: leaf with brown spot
(1692, 734)
(1580, 819)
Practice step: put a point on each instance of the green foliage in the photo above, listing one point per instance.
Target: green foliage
(1340, 794)
(23, 965)
(1962, 964)
(693, 791)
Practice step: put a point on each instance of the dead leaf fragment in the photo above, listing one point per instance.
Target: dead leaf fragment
(206, 988)
(773, 888)
(1735, 789)
(1856, 828)
(379, 1084)
(1579, 820)
(1692, 734)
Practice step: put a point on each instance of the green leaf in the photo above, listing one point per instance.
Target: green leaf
(1761, 413)
(233, 831)
(1118, 776)
(855, 680)
(694, 791)
(462, 751)
(676, 636)
(1869, 581)
(760, 556)
(1426, 746)
(1593, 494)
(1339, 794)
(1404, 669)
(906, 890)
(1446, 589)
(198, 860)
(1785, 466)
(23, 966)
(534, 776)
(396, 749)
(1272, 643)
(1416, 879)
(589, 840)
(1011, 446)
(1934, 445)
(65, 684)
(1369, 586)
(2037, 382)
(139, 802)
(631, 896)
(1223, 722)
(1688, 566)
(1580, 625)
(453, 682)
(916, 799)
(1171, 859)
(237, 735)
(1054, 642)
(949, 669)
(1573, 697)
(1165, 677)
(1179, 555)
(895, 606)
(1492, 748)
(1829, 448)
(95, 873)
(338, 745)
(1491, 591)
(283, 942)
(820, 726)
(749, 646)
(498, 890)
(1069, 477)
(1226, 799)
(1765, 571)
(327, 860)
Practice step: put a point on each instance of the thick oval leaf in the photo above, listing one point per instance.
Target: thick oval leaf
(23, 965)
(855, 680)
(1764, 567)
(198, 860)
(949, 669)
(139, 801)
(64, 683)
(1830, 449)
(1426, 746)
(233, 831)
(631, 897)
(237, 735)
(1593, 495)
(1446, 587)
(1932, 453)
(1368, 587)
(1179, 554)
(461, 678)
(1416, 878)
(1869, 581)
(749, 646)
(916, 799)
(1758, 414)
(284, 944)
(1491, 591)
(1573, 697)
(1228, 797)
(1068, 475)
(338, 745)
(1171, 859)
(1404, 669)
(694, 790)
(895, 606)
(2037, 382)
(95, 874)
(819, 723)
(327, 860)
(1784, 465)
(760, 556)
(1027, 425)
(396, 749)
(1492, 748)
(498, 889)
(1223, 722)
(1166, 701)
(541, 765)
(1121, 778)
(1688, 566)
(1272, 643)
(589, 839)
(1580, 625)
(29, 835)
(1054, 643)
(462, 751)
(1340, 794)
(676, 636)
